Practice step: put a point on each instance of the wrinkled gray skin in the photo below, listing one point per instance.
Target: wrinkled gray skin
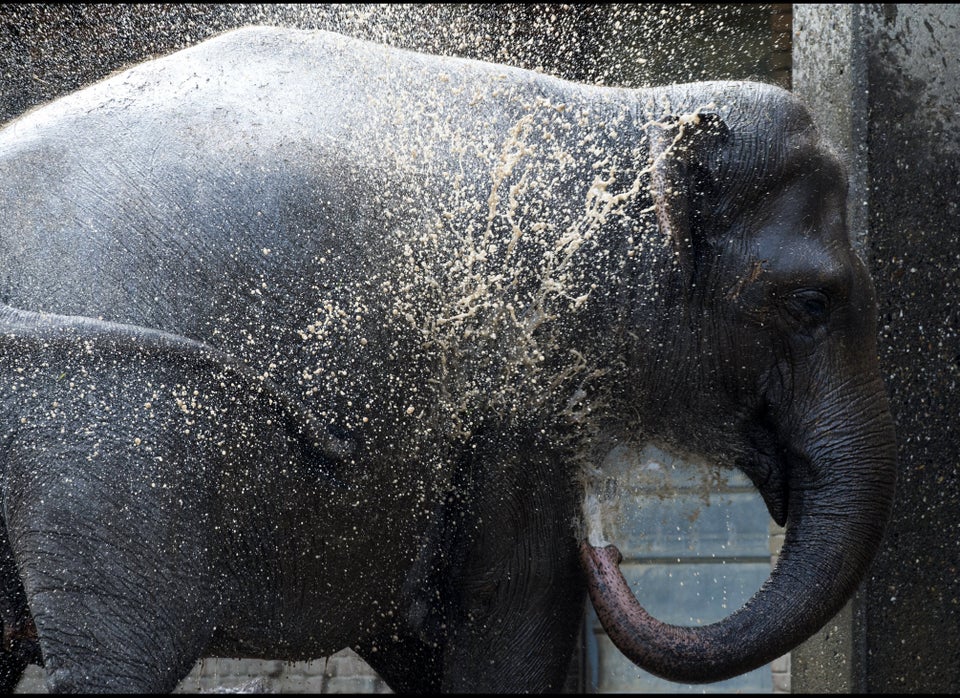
(306, 343)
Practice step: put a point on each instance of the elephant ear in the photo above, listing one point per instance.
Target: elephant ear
(681, 149)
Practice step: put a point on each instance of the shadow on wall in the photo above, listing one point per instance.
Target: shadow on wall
(884, 81)
(914, 164)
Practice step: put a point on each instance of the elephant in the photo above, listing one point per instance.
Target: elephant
(307, 343)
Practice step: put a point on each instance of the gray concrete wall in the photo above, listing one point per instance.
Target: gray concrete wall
(884, 82)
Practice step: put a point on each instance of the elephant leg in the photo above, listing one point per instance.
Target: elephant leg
(11, 670)
(19, 646)
(113, 565)
(518, 594)
(117, 606)
(405, 661)
(408, 654)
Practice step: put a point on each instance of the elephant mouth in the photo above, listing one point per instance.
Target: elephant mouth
(769, 480)
(767, 466)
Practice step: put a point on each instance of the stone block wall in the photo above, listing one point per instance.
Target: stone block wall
(341, 673)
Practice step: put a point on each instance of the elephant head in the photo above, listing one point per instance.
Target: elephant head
(772, 368)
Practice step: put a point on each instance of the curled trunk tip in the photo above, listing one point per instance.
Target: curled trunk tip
(676, 653)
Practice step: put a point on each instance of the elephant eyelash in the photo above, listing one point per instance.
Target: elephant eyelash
(810, 304)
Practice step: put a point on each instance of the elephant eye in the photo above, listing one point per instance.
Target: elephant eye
(811, 305)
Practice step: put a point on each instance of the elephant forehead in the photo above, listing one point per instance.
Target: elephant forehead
(797, 233)
(805, 261)
(805, 205)
(783, 174)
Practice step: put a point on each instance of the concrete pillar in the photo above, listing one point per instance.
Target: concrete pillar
(884, 83)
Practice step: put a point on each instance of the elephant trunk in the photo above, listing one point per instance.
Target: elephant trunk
(840, 493)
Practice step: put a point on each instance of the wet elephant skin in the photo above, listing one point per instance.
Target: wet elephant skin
(309, 343)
